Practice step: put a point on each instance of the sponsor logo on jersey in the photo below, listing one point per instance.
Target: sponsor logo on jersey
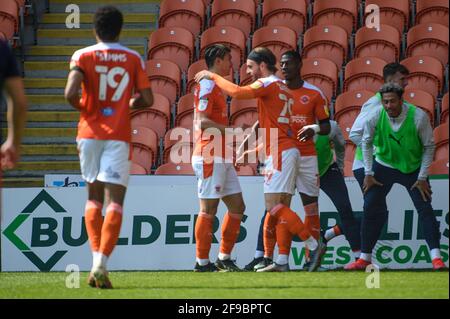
(305, 99)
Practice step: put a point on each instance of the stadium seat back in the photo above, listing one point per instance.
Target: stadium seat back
(329, 42)
(177, 137)
(288, 13)
(142, 156)
(174, 44)
(422, 99)
(444, 109)
(432, 11)
(9, 18)
(441, 134)
(322, 73)
(392, 12)
(342, 13)
(346, 119)
(165, 78)
(350, 150)
(364, 74)
(428, 39)
(246, 170)
(384, 44)
(439, 167)
(426, 73)
(145, 137)
(240, 14)
(227, 35)
(348, 168)
(175, 169)
(136, 169)
(278, 39)
(189, 14)
(194, 68)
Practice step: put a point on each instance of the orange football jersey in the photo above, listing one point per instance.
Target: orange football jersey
(112, 73)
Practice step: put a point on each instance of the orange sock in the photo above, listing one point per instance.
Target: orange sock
(284, 239)
(312, 219)
(293, 222)
(203, 234)
(230, 232)
(269, 236)
(111, 228)
(93, 220)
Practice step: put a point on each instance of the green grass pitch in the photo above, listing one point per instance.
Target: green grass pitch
(171, 284)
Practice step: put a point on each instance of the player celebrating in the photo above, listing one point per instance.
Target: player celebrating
(108, 73)
(217, 178)
(274, 103)
(404, 143)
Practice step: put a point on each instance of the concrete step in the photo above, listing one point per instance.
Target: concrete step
(48, 116)
(65, 51)
(48, 103)
(90, 6)
(48, 132)
(23, 182)
(44, 83)
(46, 69)
(85, 36)
(47, 166)
(49, 149)
(87, 19)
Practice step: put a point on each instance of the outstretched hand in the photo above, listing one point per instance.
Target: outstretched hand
(205, 74)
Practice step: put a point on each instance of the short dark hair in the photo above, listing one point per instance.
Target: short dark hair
(392, 68)
(262, 54)
(215, 51)
(108, 21)
(293, 55)
(392, 88)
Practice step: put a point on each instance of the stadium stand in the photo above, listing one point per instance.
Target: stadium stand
(441, 140)
(444, 109)
(237, 13)
(432, 11)
(364, 74)
(189, 14)
(243, 112)
(428, 39)
(175, 169)
(165, 78)
(439, 167)
(330, 42)
(185, 110)
(194, 68)
(322, 73)
(426, 73)
(145, 138)
(143, 156)
(174, 44)
(177, 139)
(384, 44)
(422, 99)
(342, 13)
(393, 12)
(136, 169)
(9, 18)
(289, 13)
(278, 39)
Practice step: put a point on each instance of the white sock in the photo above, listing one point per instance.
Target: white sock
(223, 256)
(357, 254)
(202, 262)
(259, 254)
(311, 243)
(94, 258)
(366, 257)
(100, 260)
(329, 234)
(435, 253)
(282, 259)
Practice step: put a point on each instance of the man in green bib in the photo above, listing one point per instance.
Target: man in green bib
(403, 137)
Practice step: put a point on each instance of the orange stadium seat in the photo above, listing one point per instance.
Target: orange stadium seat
(440, 134)
(189, 14)
(393, 12)
(246, 170)
(289, 13)
(432, 11)
(422, 99)
(322, 73)
(243, 112)
(165, 78)
(278, 39)
(175, 169)
(347, 108)
(426, 73)
(181, 140)
(145, 137)
(185, 110)
(136, 169)
(230, 36)
(384, 44)
(444, 109)
(9, 18)
(439, 167)
(342, 13)
(142, 156)
(364, 74)
(350, 150)
(428, 39)
(156, 117)
(240, 14)
(348, 168)
(194, 68)
(329, 42)
(244, 78)
(174, 44)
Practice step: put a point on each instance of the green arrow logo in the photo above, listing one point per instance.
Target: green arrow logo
(10, 231)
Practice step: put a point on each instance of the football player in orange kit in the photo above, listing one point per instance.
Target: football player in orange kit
(217, 177)
(108, 74)
(281, 148)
